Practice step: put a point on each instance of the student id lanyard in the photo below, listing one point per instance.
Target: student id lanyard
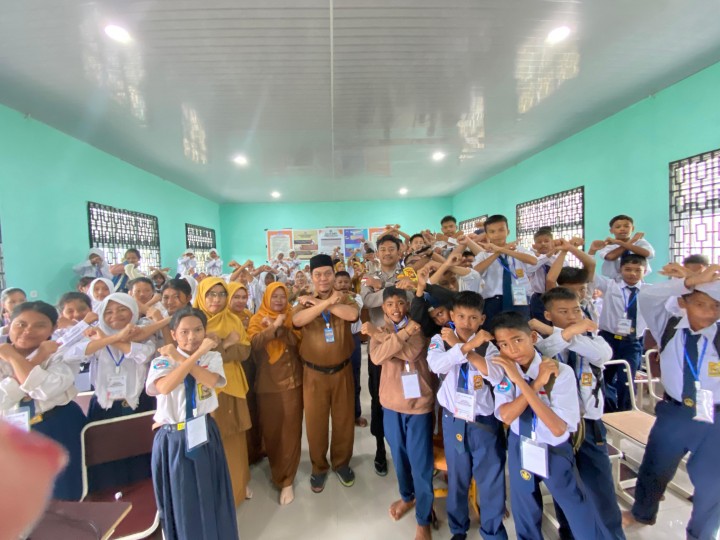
(625, 324)
(519, 293)
(116, 362)
(464, 398)
(409, 378)
(533, 454)
(704, 399)
(329, 334)
(117, 383)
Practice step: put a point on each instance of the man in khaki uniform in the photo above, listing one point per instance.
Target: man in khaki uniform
(328, 386)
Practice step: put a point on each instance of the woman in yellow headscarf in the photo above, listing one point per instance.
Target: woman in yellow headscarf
(278, 385)
(232, 415)
(238, 294)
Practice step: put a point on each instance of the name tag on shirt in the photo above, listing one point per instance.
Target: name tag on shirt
(464, 406)
(624, 327)
(519, 294)
(329, 335)
(713, 369)
(203, 392)
(196, 432)
(117, 387)
(705, 405)
(477, 382)
(411, 385)
(20, 418)
(534, 457)
(586, 379)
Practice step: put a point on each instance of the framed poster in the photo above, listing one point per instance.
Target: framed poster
(279, 242)
(305, 243)
(354, 239)
(330, 240)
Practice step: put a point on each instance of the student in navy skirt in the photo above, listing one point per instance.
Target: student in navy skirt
(190, 474)
(37, 388)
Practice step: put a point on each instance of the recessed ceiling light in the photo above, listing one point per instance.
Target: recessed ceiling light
(117, 33)
(438, 156)
(403, 191)
(558, 34)
(275, 194)
(240, 160)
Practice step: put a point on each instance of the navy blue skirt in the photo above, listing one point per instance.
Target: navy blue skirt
(64, 425)
(123, 471)
(194, 496)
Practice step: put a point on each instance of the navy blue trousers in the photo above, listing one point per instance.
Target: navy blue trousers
(484, 460)
(674, 434)
(410, 440)
(123, 471)
(593, 464)
(194, 496)
(356, 360)
(494, 306)
(563, 484)
(64, 424)
(617, 394)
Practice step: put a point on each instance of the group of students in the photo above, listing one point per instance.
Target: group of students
(495, 350)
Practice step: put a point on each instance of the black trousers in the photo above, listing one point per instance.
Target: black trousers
(376, 410)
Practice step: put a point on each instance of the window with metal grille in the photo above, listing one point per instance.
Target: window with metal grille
(469, 225)
(695, 207)
(115, 230)
(563, 212)
(200, 240)
(2, 264)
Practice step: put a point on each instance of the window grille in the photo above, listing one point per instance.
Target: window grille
(200, 240)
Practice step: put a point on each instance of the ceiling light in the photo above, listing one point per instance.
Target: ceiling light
(117, 33)
(403, 191)
(558, 34)
(275, 194)
(240, 160)
(438, 156)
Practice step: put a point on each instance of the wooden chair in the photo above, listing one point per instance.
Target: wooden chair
(105, 441)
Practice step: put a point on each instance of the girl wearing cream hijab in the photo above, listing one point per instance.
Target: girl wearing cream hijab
(232, 415)
(278, 386)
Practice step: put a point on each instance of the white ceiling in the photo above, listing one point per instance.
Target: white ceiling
(340, 99)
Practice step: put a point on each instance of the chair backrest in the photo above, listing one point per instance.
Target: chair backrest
(625, 366)
(118, 438)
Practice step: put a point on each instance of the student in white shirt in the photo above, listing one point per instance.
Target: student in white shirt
(573, 344)
(578, 280)
(9, 299)
(623, 242)
(98, 290)
(546, 252)
(76, 316)
(541, 415)
(214, 264)
(94, 266)
(37, 388)
(190, 472)
(186, 263)
(688, 418)
(474, 440)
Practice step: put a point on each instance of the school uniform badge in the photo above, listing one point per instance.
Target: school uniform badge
(504, 386)
(161, 364)
(525, 475)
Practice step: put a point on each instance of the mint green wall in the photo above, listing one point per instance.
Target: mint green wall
(46, 179)
(622, 162)
(243, 225)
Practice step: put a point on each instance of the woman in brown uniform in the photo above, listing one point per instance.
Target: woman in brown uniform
(232, 415)
(278, 386)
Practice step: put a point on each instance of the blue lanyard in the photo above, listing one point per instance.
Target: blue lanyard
(506, 268)
(464, 368)
(629, 304)
(695, 372)
(402, 324)
(117, 363)
(451, 325)
(326, 316)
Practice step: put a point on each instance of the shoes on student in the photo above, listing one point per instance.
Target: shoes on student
(317, 482)
(346, 475)
(459, 536)
(381, 467)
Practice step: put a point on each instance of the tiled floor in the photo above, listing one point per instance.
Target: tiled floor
(361, 512)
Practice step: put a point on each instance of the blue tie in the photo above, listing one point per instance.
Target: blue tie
(632, 307)
(507, 301)
(189, 397)
(691, 348)
(459, 425)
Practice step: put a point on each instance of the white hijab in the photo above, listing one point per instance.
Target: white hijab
(91, 291)
(122, 299)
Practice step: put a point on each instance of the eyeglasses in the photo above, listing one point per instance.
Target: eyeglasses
(212, 294)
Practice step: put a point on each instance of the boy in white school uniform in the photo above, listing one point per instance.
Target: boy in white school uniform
(538, 398)
(186, 264)
(545, 250)
(688, 418)
(623, 242)
(504, 268)
(578, 280)
(573, 344)
(473, 438)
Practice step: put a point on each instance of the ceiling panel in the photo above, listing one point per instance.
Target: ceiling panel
(325, 95)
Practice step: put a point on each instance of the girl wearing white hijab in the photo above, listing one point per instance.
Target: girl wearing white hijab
(214, 264)
(98, 290)
(94, 265)
(118, 370)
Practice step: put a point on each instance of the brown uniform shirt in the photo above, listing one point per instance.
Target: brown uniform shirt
(287, 372)
(393, 352)
(315, 349)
